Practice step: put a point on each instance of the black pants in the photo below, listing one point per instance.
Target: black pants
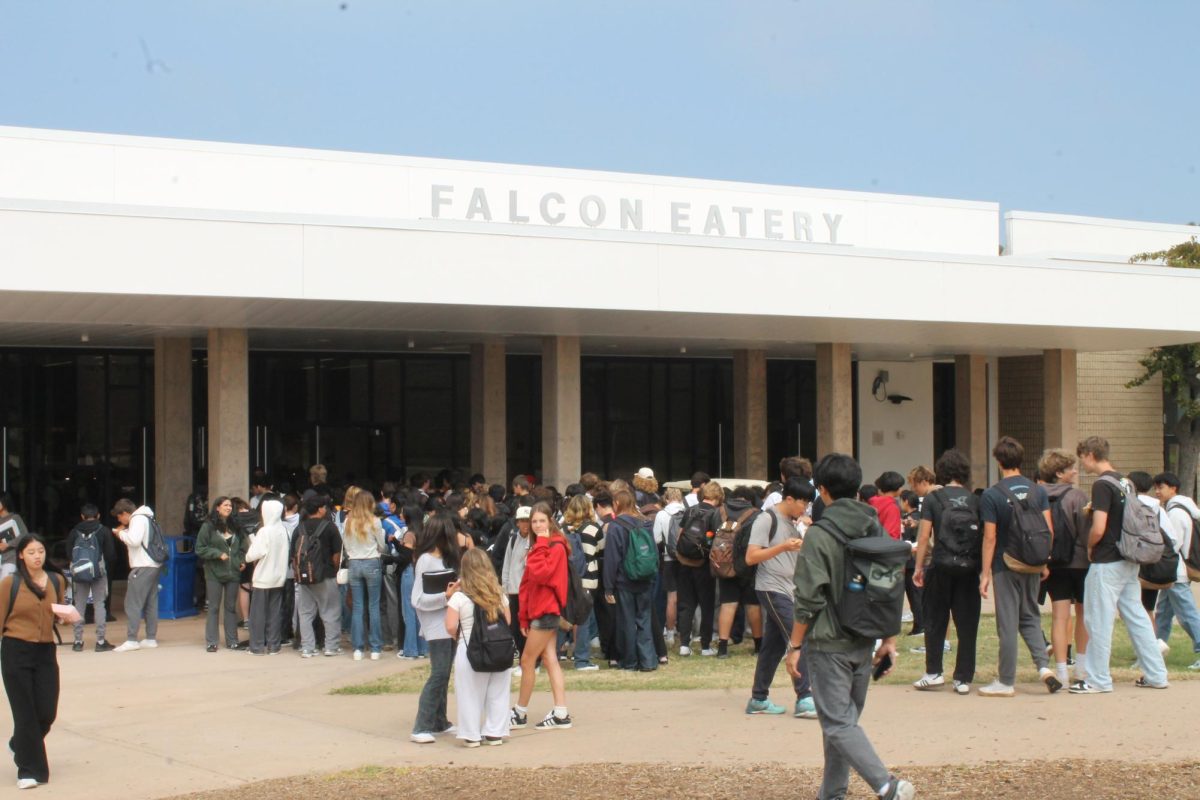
(289, 608)
(606, 625)
(915, 603)
(697, 588)
(266, 620)
(949, 594)
(514, 608)
(30, 673)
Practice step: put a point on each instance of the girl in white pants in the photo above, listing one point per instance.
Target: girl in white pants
(478, 695)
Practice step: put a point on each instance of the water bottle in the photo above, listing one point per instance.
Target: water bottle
(856, 584)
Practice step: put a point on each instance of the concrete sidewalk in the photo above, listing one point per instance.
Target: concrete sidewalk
(154, 723)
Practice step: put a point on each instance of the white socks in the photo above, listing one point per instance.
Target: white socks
(560, 712)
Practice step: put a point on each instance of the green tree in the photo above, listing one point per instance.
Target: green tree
(1179, 366)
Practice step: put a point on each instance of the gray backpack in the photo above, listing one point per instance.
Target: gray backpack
(1141, 536)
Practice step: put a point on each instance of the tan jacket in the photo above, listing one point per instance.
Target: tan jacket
(31, 620)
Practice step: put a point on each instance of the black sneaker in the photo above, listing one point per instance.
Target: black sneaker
(517, 721)
(723, 649)
(103, 647)
(551, 723)
(78, 646)
(212, 648)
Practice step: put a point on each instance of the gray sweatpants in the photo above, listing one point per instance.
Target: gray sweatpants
(839, 691)
(99, 593)
(1017, 610)
(320, 598)
(141, 600)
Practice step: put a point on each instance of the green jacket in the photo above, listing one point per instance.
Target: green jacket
(820, 572)
(210, 545)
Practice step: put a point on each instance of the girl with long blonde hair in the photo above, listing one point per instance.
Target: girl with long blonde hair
(364, 546)
(479, 695)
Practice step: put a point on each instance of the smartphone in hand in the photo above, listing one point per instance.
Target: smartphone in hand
(883, 666)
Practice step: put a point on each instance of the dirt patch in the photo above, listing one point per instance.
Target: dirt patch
(1062, 780)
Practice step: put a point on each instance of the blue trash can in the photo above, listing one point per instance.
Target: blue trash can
(177, 579)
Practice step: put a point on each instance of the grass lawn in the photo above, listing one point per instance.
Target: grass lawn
(737, 672)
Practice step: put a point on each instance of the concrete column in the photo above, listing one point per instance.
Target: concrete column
(228, 412)
(1060, 398)
(489, 436)
(971, 414)
(561, 437)
(835, 401)
(750, 414)
(172, 431)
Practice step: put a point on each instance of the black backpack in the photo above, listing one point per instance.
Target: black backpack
(1029, 537)
(86, 558)
(741, 544)
(579, 600)
(491, 646)
(694, 540)
(872, 597)
(1062, 550)
(308, 555)
(1191, 559)
(1162, 573)
(155, 545)
(958, 540)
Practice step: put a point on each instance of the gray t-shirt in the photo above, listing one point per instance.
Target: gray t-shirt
(775, 574)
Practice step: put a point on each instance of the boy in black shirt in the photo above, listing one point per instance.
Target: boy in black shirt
(1112, 582)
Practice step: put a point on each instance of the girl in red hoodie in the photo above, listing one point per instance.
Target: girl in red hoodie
(542, 597)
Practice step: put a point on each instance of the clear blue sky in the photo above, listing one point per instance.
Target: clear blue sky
(1073, 107)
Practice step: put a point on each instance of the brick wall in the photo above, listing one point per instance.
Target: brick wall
(1020, 411)
(1131, 419)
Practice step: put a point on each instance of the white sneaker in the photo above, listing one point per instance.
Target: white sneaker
(26, 783)
(708, 652)
(687, 651)
(422, 738)
(375, 656)
(904, 791)
(669, 637)
(517, 670)
(595, 642)
(1195, 666)
(906, 616)
(929, 682)
(962, 688)
(996, 689)
(149, 643)
(1164, 647)
(358, 655)
(125, 648)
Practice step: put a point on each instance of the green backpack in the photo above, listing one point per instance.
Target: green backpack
(641, 555)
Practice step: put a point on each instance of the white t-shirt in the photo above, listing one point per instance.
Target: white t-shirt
(466, 612)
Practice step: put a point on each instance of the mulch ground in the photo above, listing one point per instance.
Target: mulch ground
(1061, 780)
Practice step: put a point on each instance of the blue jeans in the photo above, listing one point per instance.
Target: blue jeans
(1176, 602)
(583, 641)
(366, 579)
(633, 629)
(414, 644)
(431, 707)
(1111, 589)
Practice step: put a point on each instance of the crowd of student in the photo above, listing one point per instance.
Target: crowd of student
(470, 576)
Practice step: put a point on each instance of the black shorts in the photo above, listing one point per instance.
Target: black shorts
(737, 590)
(1066, 584)
(670, 572)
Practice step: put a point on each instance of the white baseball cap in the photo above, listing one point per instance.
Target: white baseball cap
(646, 473)
(523, 512)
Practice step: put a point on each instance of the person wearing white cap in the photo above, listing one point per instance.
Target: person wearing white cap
(514, 570)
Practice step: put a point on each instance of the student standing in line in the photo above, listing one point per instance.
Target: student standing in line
(512, 570)
(1112, 582)
(315, 555)
(268, 551)
(631, 597)
(141, 589)
(1178, 601)
(1057, 472)
(580, 522)
(950, 588)
(223, 553)
(96, 540)
(436, 550)
(478, 695)
(1017, 610)
(696, 585)
(774, 546)
(12, 528)
(364, 547)
(841, 663)
(542, 597)
(27, 656)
